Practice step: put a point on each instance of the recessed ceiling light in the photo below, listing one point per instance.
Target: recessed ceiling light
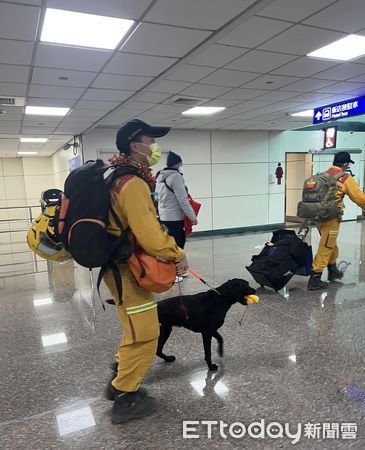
(306, 113)
(27, 153)
(40, 140)
(344, 49)
(85, 30)
(46, 111)
(203, 110)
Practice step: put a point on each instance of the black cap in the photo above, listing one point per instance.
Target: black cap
(130, 130)
(173, 159)
(342, 158)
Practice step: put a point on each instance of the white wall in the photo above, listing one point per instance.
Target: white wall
(21, 182)
(229, 172)
(226, 171)
(12, 193)
(60, 168)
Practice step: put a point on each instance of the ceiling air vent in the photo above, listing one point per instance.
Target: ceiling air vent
(185, 101)
(12, 101)
(7, 101)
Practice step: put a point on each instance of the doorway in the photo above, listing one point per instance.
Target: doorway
(298, 168)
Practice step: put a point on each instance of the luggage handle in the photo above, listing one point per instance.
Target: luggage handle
(303, 231)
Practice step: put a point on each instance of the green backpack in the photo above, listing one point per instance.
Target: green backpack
(318, 198)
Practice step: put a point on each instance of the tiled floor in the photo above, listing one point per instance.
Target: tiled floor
(297, 360)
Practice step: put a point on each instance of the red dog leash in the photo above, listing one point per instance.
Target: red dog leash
(198, 277)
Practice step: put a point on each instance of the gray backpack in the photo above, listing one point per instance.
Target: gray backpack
(318, 198)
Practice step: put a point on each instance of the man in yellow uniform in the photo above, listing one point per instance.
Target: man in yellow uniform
(328, 251)
(131, 201)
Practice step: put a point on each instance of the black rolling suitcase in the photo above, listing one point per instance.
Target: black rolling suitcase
(283, 257)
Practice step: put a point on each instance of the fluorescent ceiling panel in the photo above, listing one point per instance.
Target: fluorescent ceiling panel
(39, 140)
(307, 113)
(84, 30)
(344, 49)
(203, 110)
(46, 111)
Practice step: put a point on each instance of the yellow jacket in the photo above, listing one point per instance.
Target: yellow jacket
(132, 203)
(347, 186)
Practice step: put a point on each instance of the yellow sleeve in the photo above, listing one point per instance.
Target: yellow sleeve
(137, 207)
(351, 188)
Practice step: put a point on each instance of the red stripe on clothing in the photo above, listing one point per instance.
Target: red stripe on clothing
(120, 182)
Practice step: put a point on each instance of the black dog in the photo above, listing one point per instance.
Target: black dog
(202, 313)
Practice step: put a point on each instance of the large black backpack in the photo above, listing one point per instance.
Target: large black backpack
(283, 257)
(83, 216)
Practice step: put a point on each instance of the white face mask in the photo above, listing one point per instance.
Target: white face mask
(181, 169)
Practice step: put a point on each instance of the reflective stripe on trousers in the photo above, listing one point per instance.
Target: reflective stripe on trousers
(141, 308)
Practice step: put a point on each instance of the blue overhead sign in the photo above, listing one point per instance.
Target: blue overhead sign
(339, 110)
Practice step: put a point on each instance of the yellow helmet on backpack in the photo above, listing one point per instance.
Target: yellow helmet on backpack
(41, 237)
(42, 241)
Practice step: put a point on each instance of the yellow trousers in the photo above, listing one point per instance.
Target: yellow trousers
(327, 251)
(139, 319)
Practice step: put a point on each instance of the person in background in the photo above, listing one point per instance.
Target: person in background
(327, 253)
(173, 202)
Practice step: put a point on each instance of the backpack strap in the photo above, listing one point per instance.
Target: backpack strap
(339, 175)
(113, 265)
(168, 187)
(343, 175)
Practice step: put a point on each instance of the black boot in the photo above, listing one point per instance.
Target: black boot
(333, 273)
(132, 405)
(315, 281)
(110, 393)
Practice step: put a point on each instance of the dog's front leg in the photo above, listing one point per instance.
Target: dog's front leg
(207, 342)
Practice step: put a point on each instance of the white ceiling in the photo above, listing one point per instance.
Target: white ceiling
(246, 55)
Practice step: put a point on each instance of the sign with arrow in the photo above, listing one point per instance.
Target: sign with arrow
(347, 108)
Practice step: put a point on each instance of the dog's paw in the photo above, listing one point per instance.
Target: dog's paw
(213, 367)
